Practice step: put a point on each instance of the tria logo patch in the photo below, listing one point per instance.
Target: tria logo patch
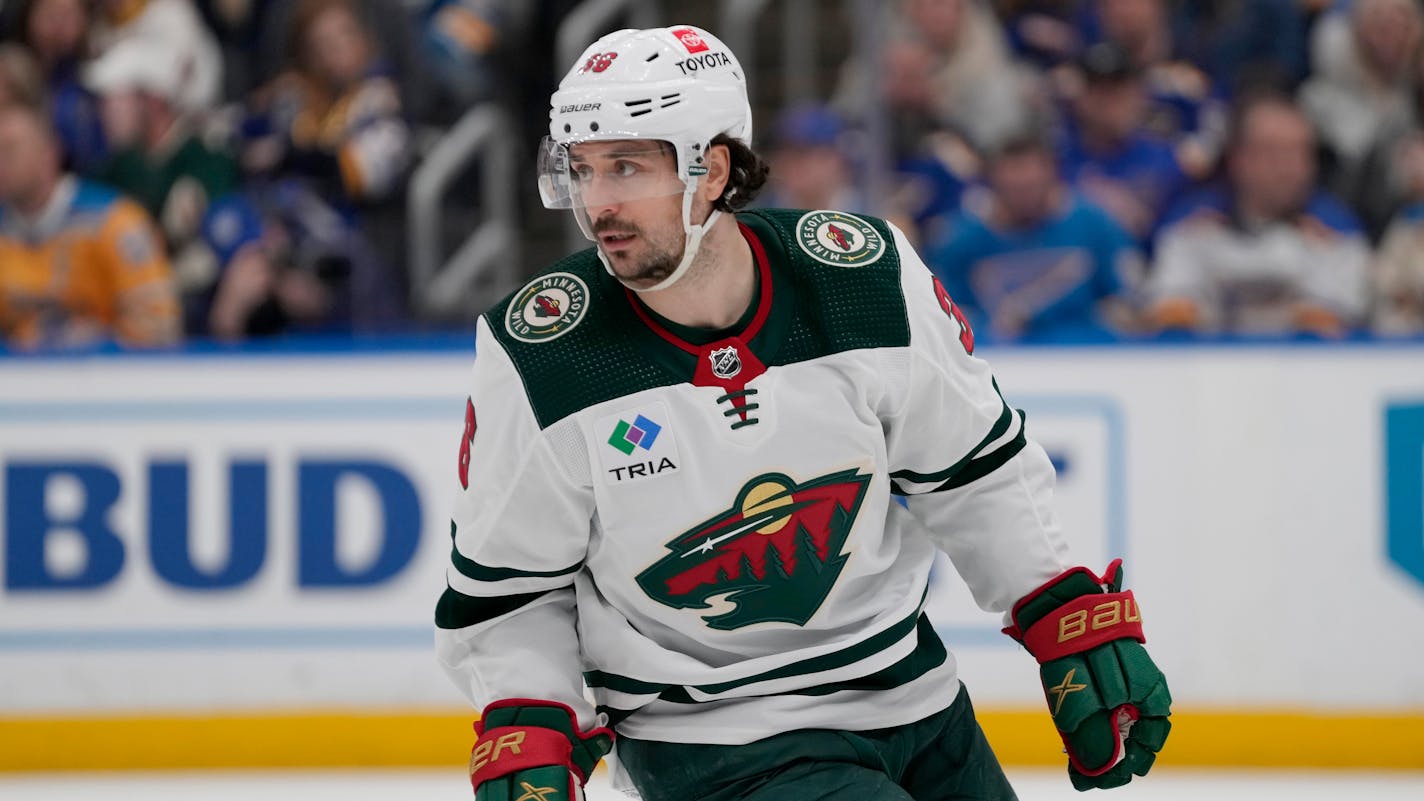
(774, 555)
(636, 444)
(726, 362)
(691, 40)
(840, 239)
(641, 433)
(547, 307)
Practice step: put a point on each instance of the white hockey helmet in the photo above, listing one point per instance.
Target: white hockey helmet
(678, 85)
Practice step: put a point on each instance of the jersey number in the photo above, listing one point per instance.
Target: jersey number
(966, 334)
(465, 442)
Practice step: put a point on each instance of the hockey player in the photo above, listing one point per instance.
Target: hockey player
(676, 481)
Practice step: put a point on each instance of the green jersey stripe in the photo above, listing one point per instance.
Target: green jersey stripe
(1001, 427)
(455, 610)
(929, 654)
(983, 467)
(839, 659)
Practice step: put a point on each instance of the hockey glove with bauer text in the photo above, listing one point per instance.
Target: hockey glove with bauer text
(1109, 701)
(529, 750)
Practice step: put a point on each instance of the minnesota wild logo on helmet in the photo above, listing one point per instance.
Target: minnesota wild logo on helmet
(774, 555)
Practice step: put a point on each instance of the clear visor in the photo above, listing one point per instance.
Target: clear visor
(583, 174)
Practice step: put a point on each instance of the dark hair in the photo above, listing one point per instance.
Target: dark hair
(747, 177)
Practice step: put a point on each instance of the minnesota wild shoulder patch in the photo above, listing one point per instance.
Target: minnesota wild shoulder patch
(547, 307)
(839, 239)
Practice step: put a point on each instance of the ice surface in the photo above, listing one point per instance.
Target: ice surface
(427, 785)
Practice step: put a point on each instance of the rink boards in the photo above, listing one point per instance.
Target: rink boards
(1268, 501)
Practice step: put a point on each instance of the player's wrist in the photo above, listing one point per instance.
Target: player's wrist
(534, 730)
(1074, 612)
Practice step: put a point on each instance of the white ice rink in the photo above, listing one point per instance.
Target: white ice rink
(386, 785)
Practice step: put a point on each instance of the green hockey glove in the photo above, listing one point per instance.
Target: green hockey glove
(527, 749)
(1109, 701)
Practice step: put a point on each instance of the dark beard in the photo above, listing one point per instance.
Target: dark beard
(659, 267)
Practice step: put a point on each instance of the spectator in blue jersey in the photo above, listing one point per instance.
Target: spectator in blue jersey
(56, 32)
(1031, 260)
(1185, 106)
(1269, 252)
(287, 263)
(1107, 153)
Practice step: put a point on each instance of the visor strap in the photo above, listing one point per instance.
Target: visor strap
(691, 244)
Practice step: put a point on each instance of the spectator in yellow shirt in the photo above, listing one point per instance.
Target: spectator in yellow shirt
(78, 262)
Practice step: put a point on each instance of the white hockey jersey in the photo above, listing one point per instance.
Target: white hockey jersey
(700, 526)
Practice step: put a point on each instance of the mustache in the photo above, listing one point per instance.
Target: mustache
(609, 224)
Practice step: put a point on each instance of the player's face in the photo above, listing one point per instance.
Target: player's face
(633, 199)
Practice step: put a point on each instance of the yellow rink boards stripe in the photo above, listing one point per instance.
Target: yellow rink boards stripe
(1277, 738)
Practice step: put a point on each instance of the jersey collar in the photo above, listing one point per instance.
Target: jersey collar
(760, 331)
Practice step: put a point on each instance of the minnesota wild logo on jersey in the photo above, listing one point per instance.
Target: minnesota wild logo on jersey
(547, 307)
(839, 239)
(774, 555)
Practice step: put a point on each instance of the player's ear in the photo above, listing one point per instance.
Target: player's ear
(719, 171)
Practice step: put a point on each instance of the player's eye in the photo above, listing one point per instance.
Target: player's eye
(625, 169)
(581, 172)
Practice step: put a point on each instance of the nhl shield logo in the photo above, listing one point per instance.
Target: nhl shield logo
(839, 239)
(773, 556)
(726, 362)
(547, 307)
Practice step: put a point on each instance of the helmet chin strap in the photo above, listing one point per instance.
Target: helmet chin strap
(691, 244)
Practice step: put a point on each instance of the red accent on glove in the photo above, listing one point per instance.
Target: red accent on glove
(507, 749)
(545, 742)
(1109, 577)
(1085, 623)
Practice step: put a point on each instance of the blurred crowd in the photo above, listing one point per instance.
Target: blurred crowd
(226, 169)
(1128, 169)
(1072, 169)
